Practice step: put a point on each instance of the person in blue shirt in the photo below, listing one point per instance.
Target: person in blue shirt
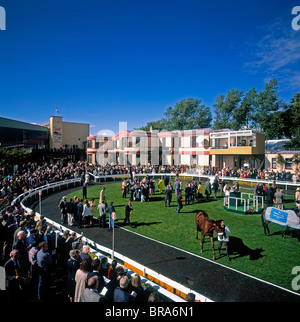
(45, 263)
(110, 210)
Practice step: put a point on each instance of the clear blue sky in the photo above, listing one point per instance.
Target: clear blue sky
(105, 61)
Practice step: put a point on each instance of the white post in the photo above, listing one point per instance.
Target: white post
(40, 201)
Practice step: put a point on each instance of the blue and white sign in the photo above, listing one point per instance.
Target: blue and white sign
(283, 217)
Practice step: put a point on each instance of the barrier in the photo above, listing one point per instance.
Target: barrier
(189, 176)
(163, 285)
(251, 202)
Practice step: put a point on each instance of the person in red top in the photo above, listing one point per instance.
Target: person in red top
(112, 272)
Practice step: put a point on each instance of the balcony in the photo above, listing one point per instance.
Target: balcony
(237, 142)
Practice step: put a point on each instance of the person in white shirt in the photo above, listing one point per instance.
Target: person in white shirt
(87, 214)
(223, 237)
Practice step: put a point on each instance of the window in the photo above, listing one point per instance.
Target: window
(137, 141)
(274, 165)
(90, 144)
(194, 141)
(288, 163)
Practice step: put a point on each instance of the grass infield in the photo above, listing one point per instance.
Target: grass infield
(269, 258)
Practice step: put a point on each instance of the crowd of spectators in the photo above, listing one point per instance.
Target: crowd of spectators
(32, 257)
(243, 172)
(27, 246)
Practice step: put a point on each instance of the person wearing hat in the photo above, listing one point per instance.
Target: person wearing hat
(297, 197)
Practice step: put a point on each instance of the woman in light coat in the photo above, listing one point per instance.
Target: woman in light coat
(81, 280)
(87, 213)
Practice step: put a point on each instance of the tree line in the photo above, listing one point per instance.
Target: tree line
(263, 111)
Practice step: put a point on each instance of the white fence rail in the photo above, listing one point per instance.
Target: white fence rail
(185, 176)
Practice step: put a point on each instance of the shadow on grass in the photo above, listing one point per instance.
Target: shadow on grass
(135, 224)
(237, 249)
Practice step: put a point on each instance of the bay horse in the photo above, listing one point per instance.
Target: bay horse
(207, 227)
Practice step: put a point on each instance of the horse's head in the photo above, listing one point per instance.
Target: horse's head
(218, 225)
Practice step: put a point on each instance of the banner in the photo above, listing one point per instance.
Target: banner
(283, 217)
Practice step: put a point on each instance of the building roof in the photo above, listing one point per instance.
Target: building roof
(4, 122)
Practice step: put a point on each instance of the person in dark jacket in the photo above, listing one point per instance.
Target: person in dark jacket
(14, 280)
(168, 195)
(120, 294)
(128, 210)
(72, 267)
(179, 203)
(79, 213)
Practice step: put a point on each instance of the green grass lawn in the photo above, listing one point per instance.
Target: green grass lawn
(269, 258)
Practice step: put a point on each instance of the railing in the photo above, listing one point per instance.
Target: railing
(195, 176)
(256, 200)
(174, 291)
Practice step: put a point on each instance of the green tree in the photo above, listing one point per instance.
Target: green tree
(9, 158)
(225, 109)
(188, 114)
(159, 125)
(292, 122)
(242, 114)
(266, 117)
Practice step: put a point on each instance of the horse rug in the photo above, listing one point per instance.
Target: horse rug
(283, 217)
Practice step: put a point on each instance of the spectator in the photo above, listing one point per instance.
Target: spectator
(168, 195)
(87, 214)
(120, 292)
(142, 294)
(128, 210)
(190, 297)
(110, 210)
(91, 293)
(279, 199)
(102, 198)
(179, 203)
(112, 271)
(63, 210)
(72, 266)
(269, 196)
(81, 280)
(96, 271)
(84, 254)
(20, 246)
(14, 281)
(79, 213)
(102, 215)
(104, 268)
(45, 263)
(215, 187)
(34, 268)
(154, 297)
(70, 212)
(207, 189)
(297, 197)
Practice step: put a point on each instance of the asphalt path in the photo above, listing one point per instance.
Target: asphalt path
(206, 277)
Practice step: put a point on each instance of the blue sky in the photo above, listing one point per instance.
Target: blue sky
(105, 61)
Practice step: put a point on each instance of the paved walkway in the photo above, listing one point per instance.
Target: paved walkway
(206, 277)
